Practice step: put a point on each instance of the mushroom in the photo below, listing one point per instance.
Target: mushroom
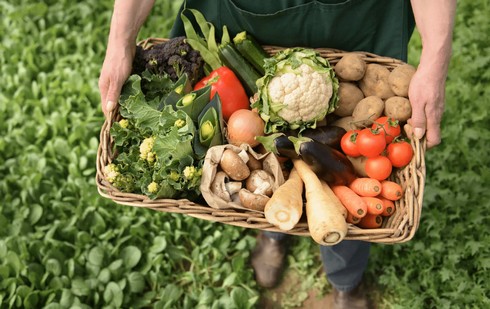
(223, 187)
(254, 164)
(253, 201)
(234, 166)
(260, 182)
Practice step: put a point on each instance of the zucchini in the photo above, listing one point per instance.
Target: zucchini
(240, 66)
(251, 50)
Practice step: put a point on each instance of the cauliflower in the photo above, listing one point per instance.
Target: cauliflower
(304, 96)
(179, 123)
(124, 123)
(146, 148)
(152, 187)
(111, 172)
(298, 89)
(190, 172)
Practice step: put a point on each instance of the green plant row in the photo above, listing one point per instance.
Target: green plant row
(64, 246)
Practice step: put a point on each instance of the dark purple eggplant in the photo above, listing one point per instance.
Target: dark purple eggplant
(328, 135)
(280, 144)
(328, 163)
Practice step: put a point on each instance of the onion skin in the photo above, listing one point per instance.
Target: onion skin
(243, 126)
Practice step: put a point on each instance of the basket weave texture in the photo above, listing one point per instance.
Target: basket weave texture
(398, 228)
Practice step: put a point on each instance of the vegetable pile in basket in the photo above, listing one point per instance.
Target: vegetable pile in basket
(338, 130)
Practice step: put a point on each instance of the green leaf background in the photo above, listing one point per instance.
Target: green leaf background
(64, 246)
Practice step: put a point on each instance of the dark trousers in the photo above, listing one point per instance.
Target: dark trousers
(343, 263)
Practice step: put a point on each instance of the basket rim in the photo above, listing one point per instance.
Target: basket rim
(397, 229)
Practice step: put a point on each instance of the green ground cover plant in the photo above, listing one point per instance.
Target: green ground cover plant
(64, 246)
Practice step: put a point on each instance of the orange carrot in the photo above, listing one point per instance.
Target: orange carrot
(391, 190)
(326, 224)
(370, 221)
(351, 201)
(374, 205)
(365, 186)
(352, 219)
(389, 207)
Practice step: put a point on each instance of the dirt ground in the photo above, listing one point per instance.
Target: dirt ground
(290, 294)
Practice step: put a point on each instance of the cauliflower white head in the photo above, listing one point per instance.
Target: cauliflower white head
(304, 94)
(298, 89)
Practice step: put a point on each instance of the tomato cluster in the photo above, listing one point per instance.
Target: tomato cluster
(382, 144)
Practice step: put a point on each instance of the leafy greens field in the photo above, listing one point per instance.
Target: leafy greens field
(64, 246)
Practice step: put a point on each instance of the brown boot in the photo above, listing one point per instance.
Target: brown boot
(355, 299)
(268, 259)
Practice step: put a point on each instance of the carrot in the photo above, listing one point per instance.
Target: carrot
(391, 190)
(352, 219)
(365, 186)
(335, 199)
(389, 207)
(285, 207)
(351, 201)
(326, 224)
(370, 221)
(374, 205)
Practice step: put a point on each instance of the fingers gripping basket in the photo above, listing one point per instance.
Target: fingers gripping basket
(400, 227)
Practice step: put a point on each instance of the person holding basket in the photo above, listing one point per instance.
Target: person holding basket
(382, 27)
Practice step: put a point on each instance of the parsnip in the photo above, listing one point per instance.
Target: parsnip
(326, 224)
(285, 207)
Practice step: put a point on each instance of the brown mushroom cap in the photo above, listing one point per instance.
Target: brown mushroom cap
(234, 166)
(254, 164)
(253, 201)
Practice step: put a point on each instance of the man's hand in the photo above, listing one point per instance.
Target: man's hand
(127, 18)
(427, 96)
(435, 21)
(115, 71)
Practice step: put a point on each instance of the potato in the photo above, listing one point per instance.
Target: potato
(368, 110)
(399, 79)
(349, 96)
(347, 123)
(375, 82)
(350, 67)
(398, 108)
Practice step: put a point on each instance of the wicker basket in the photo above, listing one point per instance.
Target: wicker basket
(400, 227)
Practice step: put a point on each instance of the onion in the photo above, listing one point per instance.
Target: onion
(243, 126)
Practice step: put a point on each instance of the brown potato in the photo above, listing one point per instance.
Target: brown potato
(347, 123)
(375, 82)
(398, 108)
(349, 96)
(350, 67)
(399, 79)
(368, 110)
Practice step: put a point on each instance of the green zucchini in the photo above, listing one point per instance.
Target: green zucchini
(251, 50)
(240, 66)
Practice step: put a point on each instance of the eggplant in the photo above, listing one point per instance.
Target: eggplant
(280, 144)
(328, 135)
(327, 162)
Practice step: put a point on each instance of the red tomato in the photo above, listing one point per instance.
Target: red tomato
(378, 167)
(370, 143)
(227, 85)
(400, 153)
(389, 126)
(348, 143)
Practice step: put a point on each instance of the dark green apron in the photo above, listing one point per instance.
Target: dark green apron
(382, 27)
